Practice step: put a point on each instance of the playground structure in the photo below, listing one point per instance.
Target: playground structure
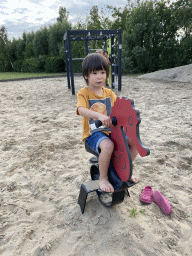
(87, 36)
(125, 124)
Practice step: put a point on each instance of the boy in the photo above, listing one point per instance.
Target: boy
(109, 64)
(95, 103)
(106, 56)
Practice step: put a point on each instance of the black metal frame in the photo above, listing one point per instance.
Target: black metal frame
(87, 35)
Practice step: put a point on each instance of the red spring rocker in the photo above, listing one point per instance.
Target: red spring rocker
(125, 124)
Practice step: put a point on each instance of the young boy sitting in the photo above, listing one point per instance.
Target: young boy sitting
(95, 103)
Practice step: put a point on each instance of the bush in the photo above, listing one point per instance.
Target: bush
(5, 66)
(29, 52)
(138, 60)
(127, 65)
(186, 50)
(78, 51)
(169, 55)
(2, 66)
(32, 65)
(17, 66)
(54, 65)
(77, 66)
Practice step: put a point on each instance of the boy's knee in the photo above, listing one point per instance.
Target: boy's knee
(107, 145)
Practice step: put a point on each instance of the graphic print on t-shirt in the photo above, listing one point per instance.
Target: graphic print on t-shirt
(101, 106)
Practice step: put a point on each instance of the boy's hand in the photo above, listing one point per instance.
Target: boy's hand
(106, 120)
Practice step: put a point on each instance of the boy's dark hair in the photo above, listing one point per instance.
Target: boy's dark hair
(94, 62)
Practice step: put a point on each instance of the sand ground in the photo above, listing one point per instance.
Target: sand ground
(43, 163)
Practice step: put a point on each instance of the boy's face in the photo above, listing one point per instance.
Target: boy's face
(97, 79)
(106, 54)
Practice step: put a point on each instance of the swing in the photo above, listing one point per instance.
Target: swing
(125, 123)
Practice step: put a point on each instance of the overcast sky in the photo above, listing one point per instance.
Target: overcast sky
(27, 15)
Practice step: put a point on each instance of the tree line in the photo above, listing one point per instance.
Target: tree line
(150, 38)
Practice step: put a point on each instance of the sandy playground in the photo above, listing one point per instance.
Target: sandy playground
(43, 163)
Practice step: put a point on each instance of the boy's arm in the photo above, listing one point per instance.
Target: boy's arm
(106, 120)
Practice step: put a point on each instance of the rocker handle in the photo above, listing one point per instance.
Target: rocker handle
(98, 123)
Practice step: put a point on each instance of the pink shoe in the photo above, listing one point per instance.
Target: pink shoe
(162, 202)
(146, 195)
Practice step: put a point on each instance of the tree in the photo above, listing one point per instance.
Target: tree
(20, 49)
(5, 63)
(24, 37)
(186, 50)
(150, 38)
(12, 49)
(56, 33)
(183, 15)
(120, 17)
(168, 21)
(3, 36)
(29, 52)
(79, 26)
(3, 42)
(94, 21)
(30, 37)
(63, 14)
(141, 38)
(17, 48)
(41, 42)
(169, 46)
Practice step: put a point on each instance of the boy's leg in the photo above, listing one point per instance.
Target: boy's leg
(132, 149)
(107, 148)
(134, 153)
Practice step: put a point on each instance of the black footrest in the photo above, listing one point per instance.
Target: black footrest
(107, 199)
(85, 189)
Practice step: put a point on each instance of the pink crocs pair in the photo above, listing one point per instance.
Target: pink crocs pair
(158, 198)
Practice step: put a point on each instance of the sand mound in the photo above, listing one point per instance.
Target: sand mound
(178, 74)
(43, 163)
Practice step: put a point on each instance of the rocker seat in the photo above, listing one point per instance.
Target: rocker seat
(90, 150)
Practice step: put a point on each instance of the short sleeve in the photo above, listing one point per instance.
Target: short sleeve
(81, 100)
(113, 98)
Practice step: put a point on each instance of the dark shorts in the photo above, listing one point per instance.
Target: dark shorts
(95, 139)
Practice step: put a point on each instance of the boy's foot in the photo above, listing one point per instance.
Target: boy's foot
(134, 179)
(106, 186)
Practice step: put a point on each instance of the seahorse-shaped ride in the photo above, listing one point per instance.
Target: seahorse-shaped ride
(128, 120)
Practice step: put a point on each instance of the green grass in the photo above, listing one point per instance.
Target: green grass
(15, 75)
(134, 212)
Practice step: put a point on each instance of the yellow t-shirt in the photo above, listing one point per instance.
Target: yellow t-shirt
(90, 100)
